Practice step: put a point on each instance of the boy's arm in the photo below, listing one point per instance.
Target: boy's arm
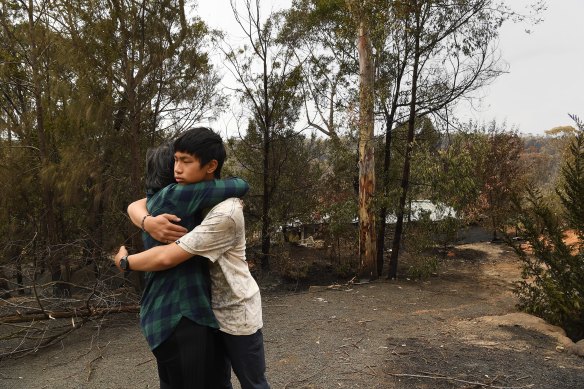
(161, 227)
(155, 259)
(210, 239)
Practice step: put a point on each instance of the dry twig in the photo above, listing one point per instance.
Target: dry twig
(475, 383)
(90, 368)
(305, 378)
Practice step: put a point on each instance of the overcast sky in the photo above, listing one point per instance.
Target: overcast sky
(546, 71)
(546, 66)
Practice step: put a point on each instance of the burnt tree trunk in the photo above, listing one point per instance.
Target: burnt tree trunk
(389, 119)
(405, 182)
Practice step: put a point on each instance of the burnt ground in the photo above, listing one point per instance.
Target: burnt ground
(458, 329)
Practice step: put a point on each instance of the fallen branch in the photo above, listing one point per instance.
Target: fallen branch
(82, 312)
(475, 383)
(145, 362)
(90, 368)
(42, 343)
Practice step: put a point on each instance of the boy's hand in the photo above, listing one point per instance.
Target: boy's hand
(163, 229)
(121, 252)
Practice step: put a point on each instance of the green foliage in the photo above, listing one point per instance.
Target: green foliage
(339, 202)
(424, 159)
(419, 244)
(571, 192)
(452, 172)
(84, 92)
(545, 154)
(552, 285)
(553, 274)
(480, 171)
(346, 270)
(423, 267)
(297, 163)
(322, 34)
(446, 231)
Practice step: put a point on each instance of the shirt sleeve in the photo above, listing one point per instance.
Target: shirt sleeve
(214, 236)
(215, 192)
(194, 197)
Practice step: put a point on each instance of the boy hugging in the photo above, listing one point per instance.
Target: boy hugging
(201, 308)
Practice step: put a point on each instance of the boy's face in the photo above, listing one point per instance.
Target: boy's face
(188, 169)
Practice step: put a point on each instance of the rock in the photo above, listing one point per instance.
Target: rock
(533, 323)
(577, 348)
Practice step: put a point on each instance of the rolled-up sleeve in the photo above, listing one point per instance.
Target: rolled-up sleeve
(211, 238)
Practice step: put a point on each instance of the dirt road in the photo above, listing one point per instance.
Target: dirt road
(457, 330)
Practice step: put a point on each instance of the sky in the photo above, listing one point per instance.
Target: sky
(545, 82)
(545, 79)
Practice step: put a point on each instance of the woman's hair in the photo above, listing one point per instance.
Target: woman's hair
(160, 166)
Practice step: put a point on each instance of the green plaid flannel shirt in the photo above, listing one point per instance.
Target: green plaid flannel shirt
(184, 290)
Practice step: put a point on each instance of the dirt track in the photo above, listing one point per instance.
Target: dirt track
(453, 331)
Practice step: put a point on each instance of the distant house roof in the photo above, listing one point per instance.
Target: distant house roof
(420, 207)
(316, 220)
(436, 212)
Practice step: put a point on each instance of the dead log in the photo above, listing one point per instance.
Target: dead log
(81, 312)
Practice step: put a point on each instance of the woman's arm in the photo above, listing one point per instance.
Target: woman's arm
(194, 197)
(189, 199)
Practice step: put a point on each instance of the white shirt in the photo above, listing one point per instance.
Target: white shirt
(235, 294)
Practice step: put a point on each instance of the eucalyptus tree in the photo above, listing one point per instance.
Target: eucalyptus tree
(340, 36)
(364, 14)
(425, 56)
(500, 173)
(325, 33)
(452, 54)
(267, 77)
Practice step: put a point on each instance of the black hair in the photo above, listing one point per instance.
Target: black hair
(203, 144)
(160, 167)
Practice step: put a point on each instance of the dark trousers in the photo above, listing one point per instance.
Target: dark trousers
(185, 359)
(245, 353)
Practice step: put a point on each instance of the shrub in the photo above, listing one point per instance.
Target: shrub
(552, 285)
(423, 267)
